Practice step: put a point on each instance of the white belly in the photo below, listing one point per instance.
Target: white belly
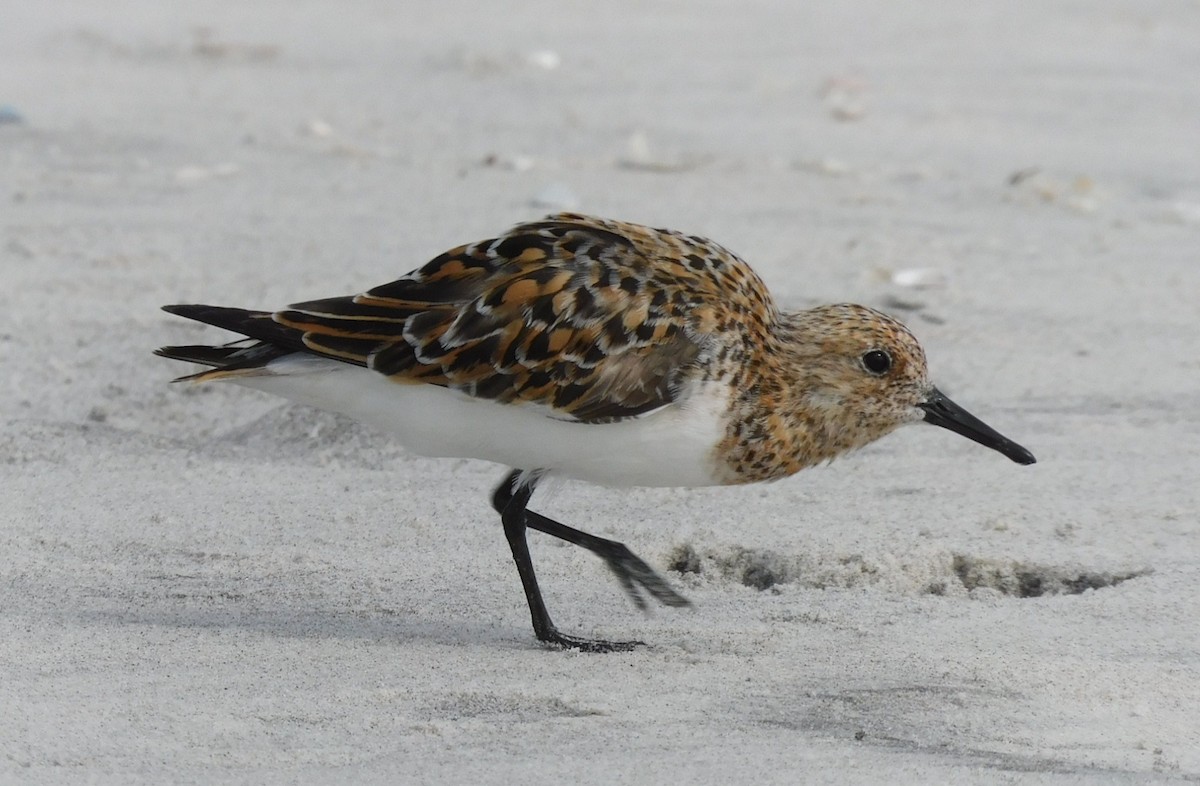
(672, 446)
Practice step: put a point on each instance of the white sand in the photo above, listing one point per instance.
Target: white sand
(200, 586)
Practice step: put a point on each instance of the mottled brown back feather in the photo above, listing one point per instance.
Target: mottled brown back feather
(574, 313)
(597, 320)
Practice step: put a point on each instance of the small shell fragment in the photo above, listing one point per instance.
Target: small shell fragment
(919, 278)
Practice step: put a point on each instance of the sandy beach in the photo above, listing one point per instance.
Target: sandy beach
(203, 584)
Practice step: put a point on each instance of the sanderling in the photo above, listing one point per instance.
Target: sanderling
(599, 350)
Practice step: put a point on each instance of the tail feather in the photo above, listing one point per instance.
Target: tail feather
(225, 360)
(255, 324)
(271, 341)
(201, 353)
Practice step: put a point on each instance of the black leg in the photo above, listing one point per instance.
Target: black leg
(510, 500)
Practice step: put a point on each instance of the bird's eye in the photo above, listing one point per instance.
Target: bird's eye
(877, 362)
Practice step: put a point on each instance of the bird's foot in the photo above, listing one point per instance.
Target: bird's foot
(636, 577)
(553, 638)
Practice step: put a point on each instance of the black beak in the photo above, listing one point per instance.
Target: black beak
(941, 411)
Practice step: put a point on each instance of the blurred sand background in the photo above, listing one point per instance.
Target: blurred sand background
(205, 585)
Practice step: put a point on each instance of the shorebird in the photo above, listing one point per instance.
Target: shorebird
(599, 350)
